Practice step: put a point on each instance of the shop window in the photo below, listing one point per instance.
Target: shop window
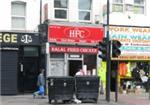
(139, 6)
(84, 7)
(18, 15)
(134, 6)
(60, 9)
(31, 52)
(90, 61)
(118, 1)
(57, 55)
(128, 7)
(140, 2)
(117, 6)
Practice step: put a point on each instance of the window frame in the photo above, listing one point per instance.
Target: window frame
(85, 10)
(65, 9)
(139, 5)
(129, 9)
(18, 16)
(118, 3)
(124, 5)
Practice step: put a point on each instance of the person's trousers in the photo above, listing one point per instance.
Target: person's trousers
(40, 91)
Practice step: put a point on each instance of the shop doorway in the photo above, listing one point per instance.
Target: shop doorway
(27, 75)
(28, 70)
(73, 66)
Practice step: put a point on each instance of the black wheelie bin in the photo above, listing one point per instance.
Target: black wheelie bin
(60, 88)
(87, 88)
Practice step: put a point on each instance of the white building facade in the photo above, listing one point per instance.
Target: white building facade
(130, 24)
(19, 15)
(128, 12)
(74, 10)
(19, 45)
(18, 36)
(70, 50)
(22, 17)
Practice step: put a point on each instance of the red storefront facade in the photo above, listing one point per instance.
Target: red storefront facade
(72, 46)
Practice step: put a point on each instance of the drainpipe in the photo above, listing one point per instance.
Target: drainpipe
(40, 11)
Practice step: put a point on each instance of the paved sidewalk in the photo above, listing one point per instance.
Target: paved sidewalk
(135, 99)
(123, 99)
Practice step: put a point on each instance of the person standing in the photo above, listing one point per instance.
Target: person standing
(102, 76)
(40, 84)
(80, 72)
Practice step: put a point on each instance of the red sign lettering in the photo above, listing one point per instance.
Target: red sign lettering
(75, 34)
(61, 49)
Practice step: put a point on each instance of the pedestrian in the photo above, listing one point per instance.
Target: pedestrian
(80, 72)
(40, 84)
(102, 76)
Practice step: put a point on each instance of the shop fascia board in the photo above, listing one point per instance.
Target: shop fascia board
(76, 24)
(18, 31)
(75, 44)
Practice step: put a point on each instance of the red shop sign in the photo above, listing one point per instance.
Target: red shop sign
(75, 34)
(61, 49)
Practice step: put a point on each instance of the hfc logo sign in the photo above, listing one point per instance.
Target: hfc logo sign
(77, 33)
(26, 39)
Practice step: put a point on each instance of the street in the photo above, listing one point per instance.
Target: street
(123, 99)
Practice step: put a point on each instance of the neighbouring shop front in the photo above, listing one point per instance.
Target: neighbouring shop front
(72, 58)
(20, 62)
(135, 53)
(73, 46)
